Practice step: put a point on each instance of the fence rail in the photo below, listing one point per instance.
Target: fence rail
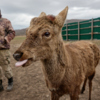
(83, 30)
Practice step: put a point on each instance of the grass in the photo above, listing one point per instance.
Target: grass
(18, 39)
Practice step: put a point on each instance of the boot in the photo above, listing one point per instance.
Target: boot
(10, 84)
(1, 86)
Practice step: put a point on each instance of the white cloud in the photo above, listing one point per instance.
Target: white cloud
(21, 20)
(83, 13)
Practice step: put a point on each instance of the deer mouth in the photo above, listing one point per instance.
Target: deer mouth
(24, 63)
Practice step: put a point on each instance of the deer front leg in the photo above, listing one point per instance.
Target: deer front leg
(54, 96)
(75, 94)
(74, 97)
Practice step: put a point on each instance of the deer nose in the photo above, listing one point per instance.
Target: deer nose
(17, 56)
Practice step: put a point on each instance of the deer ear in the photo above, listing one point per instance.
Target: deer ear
(42, 14)
(60, 18)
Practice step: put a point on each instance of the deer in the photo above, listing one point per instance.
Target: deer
(66, 66)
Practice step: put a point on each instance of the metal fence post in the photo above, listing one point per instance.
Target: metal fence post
(66, 32)
(78, 31)
(92, 29)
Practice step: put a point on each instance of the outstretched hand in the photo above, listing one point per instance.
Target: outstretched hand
(6, 38)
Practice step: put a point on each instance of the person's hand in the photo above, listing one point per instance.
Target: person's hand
(6, 38)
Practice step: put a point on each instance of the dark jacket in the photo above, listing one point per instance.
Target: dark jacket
(6, 29)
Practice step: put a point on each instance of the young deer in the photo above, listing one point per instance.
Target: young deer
(65, 66)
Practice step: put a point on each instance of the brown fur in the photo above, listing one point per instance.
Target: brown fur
(65, 66)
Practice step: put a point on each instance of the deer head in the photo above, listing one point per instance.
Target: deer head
(42, 37)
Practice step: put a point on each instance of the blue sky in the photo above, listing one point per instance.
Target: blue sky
(20, 12)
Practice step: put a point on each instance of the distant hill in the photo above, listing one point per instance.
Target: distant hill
(74, 20)
(23, 31)
(20, 32)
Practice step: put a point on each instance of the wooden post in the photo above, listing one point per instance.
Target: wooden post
(92, 29)
(78, 31)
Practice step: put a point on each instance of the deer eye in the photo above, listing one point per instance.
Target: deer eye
(47, 34)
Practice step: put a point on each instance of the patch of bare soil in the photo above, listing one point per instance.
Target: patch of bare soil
(29, 84)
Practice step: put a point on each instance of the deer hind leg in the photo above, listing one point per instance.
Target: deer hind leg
(84, 85)
(54, 96)
(90, 84)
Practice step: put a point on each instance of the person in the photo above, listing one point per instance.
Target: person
(7, 33)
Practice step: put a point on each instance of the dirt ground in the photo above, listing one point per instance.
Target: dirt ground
(29, 82)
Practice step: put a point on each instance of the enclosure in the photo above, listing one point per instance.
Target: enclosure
(83, 30)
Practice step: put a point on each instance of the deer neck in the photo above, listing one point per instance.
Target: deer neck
(54, 67)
